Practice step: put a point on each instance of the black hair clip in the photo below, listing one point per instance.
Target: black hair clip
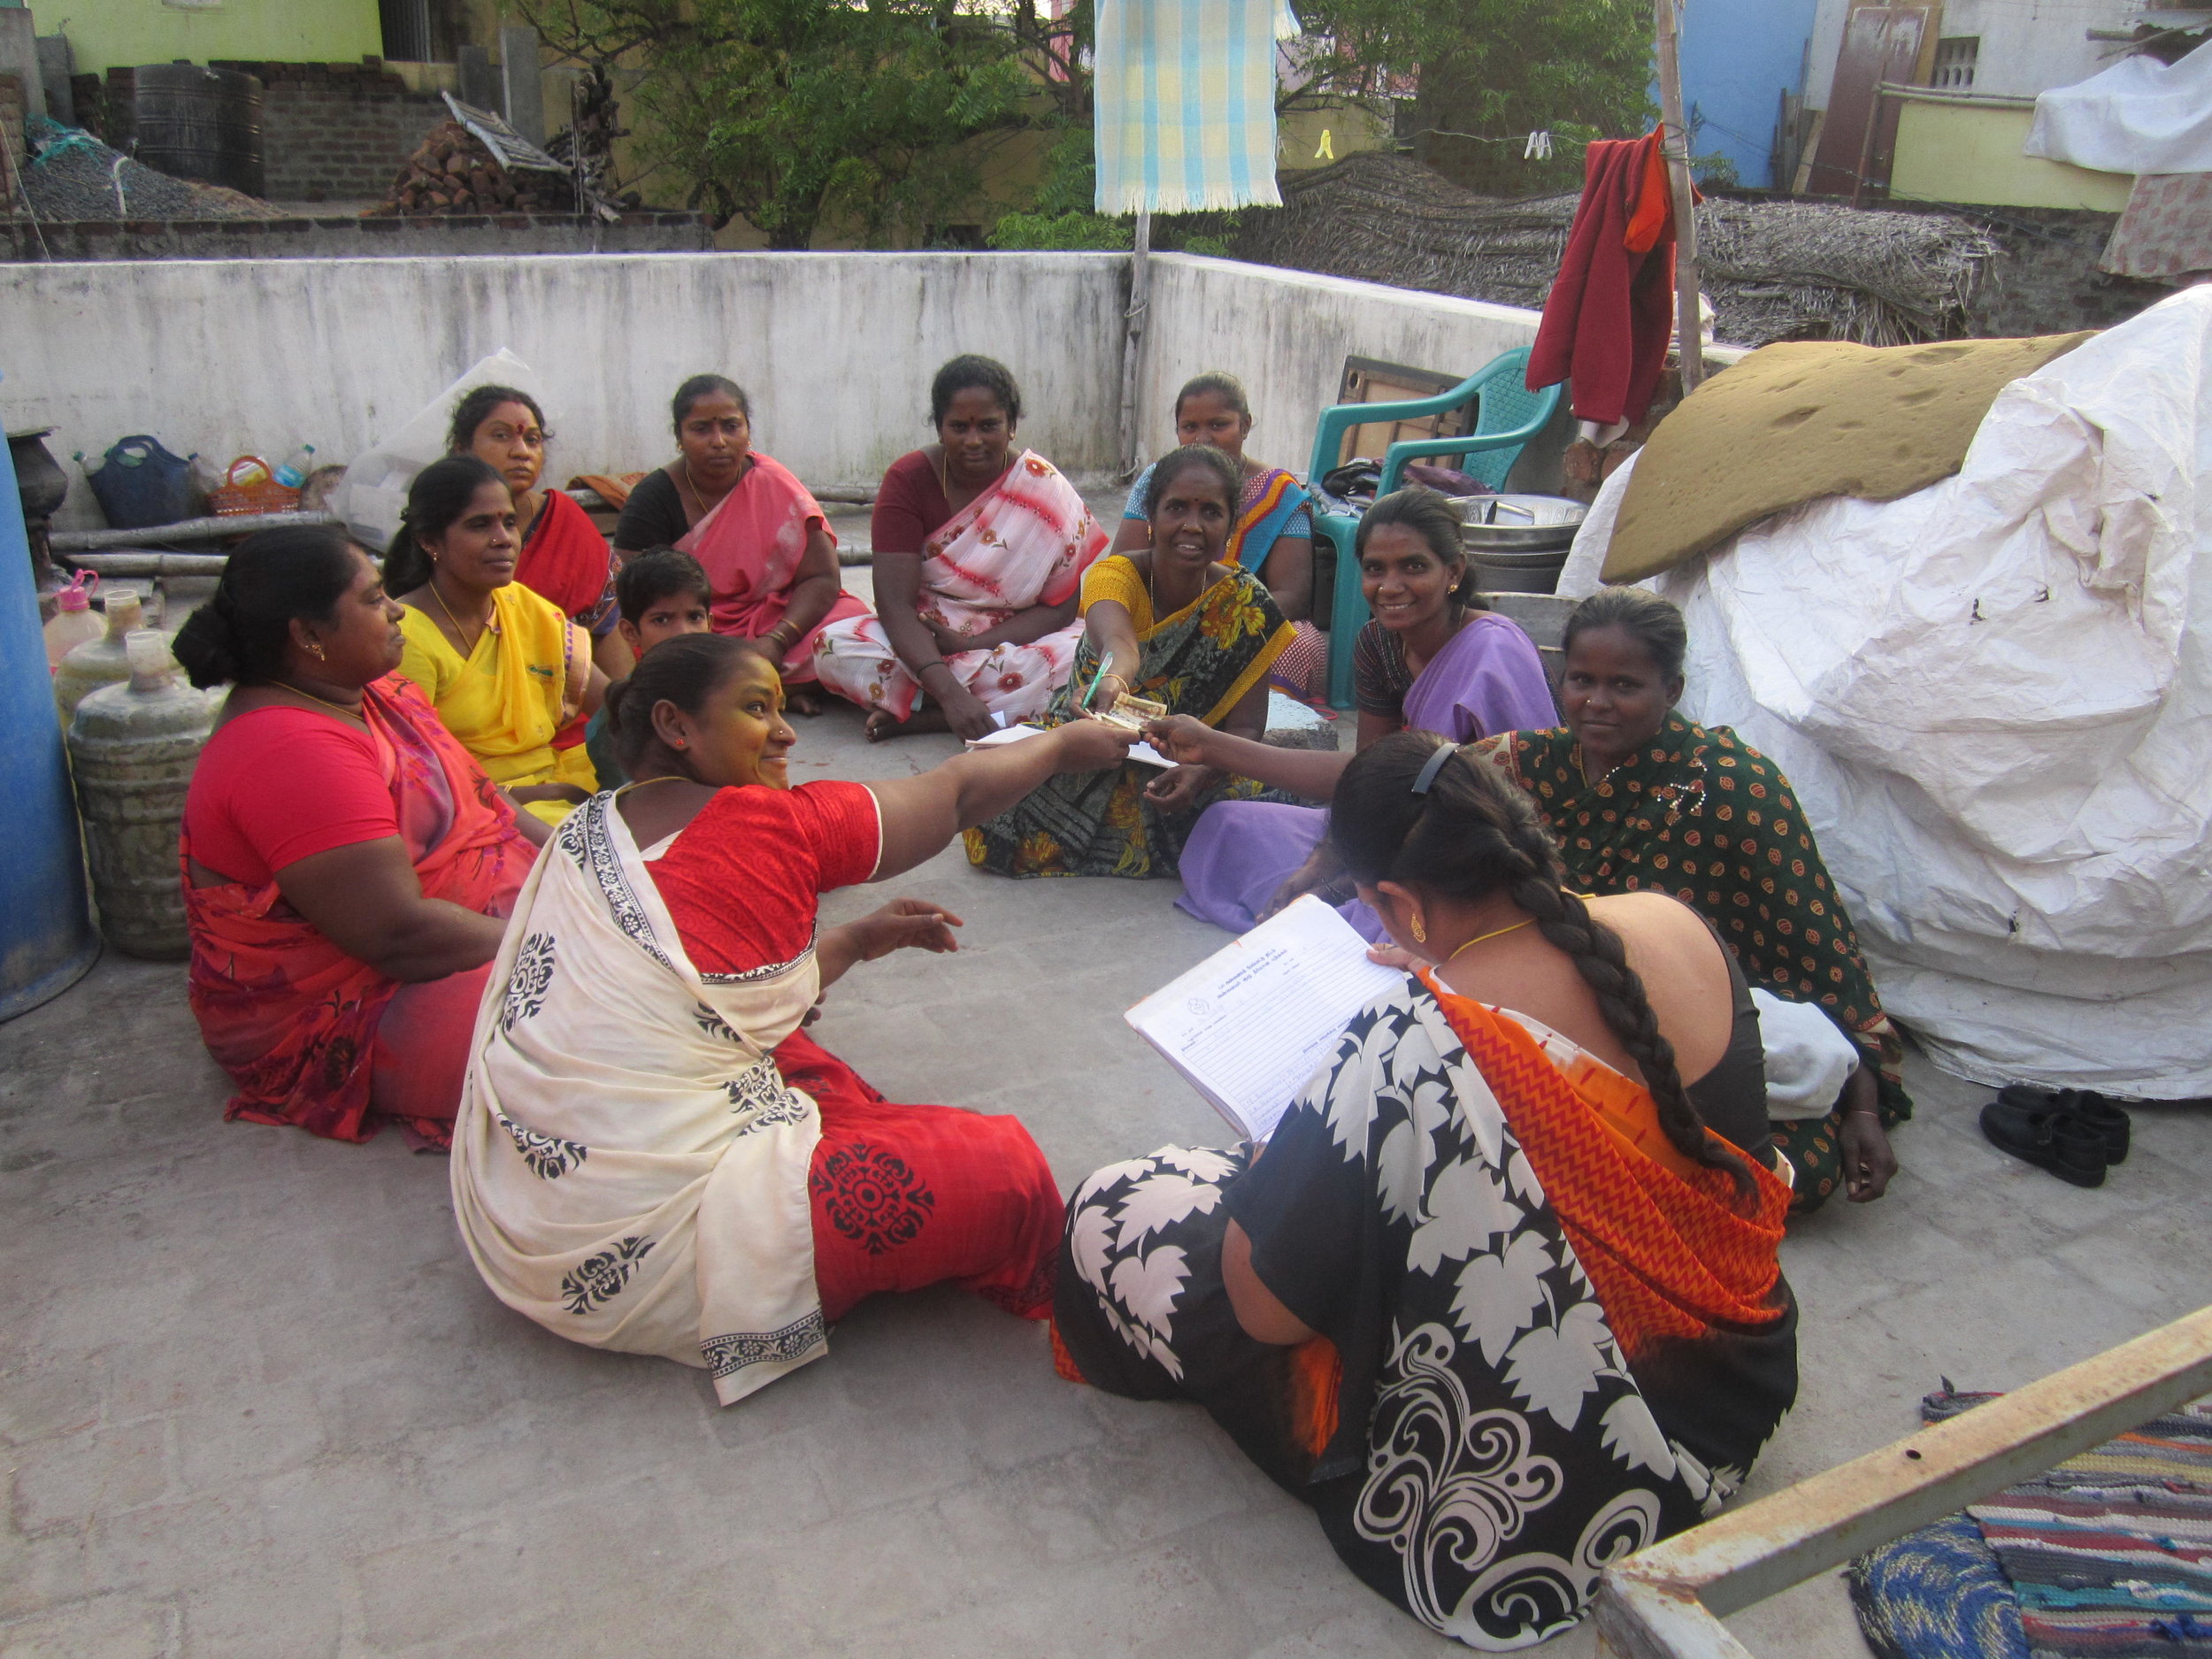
(1444, 752)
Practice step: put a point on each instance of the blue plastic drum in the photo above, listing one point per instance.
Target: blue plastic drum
(46, 941)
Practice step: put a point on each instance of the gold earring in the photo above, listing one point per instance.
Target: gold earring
(1420, 933)
(317, 650)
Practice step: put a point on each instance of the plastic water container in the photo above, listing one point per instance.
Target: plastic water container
(100, 662)
(132, 747)
(294, 472)
(73, 624)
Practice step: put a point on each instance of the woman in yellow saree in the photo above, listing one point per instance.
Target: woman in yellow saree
(1178, 626)
(504, 668)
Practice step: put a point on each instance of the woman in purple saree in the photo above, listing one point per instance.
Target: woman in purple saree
(1431, 660)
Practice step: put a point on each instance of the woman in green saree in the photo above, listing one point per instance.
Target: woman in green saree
(1643, 800)
(1174, 623)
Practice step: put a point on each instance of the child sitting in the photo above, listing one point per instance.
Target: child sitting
(661, 592)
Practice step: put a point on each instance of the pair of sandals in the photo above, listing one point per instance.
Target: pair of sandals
(2076, 1135)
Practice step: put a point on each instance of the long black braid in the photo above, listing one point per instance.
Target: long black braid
(1472, 834)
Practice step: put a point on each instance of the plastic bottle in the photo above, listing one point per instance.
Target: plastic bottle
(132, 747)
(100, 662)
(294, 472)
(73, 624)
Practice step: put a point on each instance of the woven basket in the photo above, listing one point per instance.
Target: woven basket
(250, 487)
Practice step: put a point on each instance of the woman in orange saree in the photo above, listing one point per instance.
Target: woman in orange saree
(1495, 1299)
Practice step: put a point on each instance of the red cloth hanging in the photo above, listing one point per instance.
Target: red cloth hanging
(1610, 313)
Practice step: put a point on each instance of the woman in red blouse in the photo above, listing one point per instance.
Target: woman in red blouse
(650, 1156)
(348, 866)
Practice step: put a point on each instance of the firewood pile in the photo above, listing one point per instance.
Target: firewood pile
(453, 172)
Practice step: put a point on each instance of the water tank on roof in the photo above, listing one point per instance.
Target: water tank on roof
(46, 937)
(204, 124)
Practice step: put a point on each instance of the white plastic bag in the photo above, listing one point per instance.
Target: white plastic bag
(1993, 699)
(1808, 1059)
(374, 492)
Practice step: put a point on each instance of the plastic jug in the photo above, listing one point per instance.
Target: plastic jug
(100, 662)
(132, 749)
(73, 624)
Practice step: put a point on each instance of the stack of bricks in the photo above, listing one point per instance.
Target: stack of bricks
(12, 135)
(336, 131)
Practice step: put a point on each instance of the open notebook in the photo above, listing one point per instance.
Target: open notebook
(1254, 1021)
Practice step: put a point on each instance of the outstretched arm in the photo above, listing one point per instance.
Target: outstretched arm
(1309, 772)
(922, 815)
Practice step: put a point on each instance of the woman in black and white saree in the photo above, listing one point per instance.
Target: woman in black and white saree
(1501, 1298)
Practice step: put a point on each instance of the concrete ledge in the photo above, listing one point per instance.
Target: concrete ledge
(471, 235)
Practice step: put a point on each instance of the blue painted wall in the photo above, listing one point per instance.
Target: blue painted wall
(1738, 58)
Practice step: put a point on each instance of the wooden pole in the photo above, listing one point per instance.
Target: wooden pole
(1689, 323)
(1133, 340)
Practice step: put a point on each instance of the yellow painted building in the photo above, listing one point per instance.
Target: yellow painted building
(1953, 148)
(105, 32)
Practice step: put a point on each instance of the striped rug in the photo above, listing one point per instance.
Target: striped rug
(2111, 1554)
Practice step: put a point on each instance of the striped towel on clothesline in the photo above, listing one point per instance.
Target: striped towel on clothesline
(1184, 96)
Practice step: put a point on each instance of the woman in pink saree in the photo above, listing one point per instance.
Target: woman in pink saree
(980, 555)
(766, 547)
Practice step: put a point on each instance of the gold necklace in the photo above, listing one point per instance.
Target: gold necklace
(700, 501)
(468, 646)
(337, 708)
(1494, 934)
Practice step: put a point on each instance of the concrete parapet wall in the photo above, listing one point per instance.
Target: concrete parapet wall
(224, 356)
(501, 236)
(1285, 334)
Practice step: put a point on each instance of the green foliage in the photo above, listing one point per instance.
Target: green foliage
(1489, 70)
(1062, 232)
(1716, 170)
(789, 112)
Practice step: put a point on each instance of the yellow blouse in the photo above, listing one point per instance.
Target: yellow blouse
(512, 692)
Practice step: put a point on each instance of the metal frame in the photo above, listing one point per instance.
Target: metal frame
(1666, 1602)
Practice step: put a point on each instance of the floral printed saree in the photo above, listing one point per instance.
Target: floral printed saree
(1201, 661)
(1540, 1347)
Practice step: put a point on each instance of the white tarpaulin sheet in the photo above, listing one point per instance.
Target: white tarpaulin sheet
(2139, 116)
(376, 490)
(1994, 699)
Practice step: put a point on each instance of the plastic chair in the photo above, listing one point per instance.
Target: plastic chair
(1506, 416)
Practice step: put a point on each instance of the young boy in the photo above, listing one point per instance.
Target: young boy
(661, 592)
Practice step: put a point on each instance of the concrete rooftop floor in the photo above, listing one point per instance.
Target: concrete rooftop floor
(255, 1400)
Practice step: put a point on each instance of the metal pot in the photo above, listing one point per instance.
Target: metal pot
(1518, 524)
(1518, 543)
(42, 486)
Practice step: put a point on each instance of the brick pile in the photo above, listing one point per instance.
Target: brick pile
(452, 172)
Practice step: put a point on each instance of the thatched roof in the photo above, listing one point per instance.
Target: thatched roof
(1773, 270)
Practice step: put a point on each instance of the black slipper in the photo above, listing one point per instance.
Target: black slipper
(2084, 1105)
(2051, 1141)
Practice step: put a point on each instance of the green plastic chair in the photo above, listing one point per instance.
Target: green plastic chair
(1506, 416)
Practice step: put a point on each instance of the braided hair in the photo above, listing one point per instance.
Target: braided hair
(1470, 835)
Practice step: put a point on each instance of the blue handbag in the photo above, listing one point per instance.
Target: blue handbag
(141, 485)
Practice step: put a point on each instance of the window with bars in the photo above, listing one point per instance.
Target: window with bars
(1955, 59)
